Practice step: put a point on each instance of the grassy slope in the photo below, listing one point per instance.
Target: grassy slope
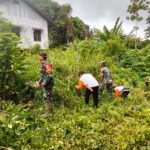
(121, 124)
(114, 125)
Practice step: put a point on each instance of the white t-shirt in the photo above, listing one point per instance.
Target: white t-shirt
(89, 80)
(119, 88)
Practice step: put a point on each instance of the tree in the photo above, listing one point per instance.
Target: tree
(147, 31)
(60, 15)
(5, 25)
(111, 41)
(134, 10)
(80, 29)
(67, 27)
(107, 34)
(12, 61)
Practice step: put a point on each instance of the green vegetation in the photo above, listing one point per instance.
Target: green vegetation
(73, 125)
(112, 126)
(122, 124)
(66, 28)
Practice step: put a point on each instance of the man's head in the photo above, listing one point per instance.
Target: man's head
(81, 73)
(102, 63)
(42, 56)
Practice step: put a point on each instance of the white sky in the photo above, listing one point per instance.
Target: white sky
(98, 13)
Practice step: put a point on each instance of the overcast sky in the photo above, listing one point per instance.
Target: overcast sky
(98, 13)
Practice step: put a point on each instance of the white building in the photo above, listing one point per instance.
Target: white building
(28, 21)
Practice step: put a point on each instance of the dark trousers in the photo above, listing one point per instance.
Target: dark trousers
(124, 94)
(95, 96)
(108, 87)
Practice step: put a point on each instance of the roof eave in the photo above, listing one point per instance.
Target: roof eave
(50, 23)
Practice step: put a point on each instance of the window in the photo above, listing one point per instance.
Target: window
(37, 34)
(16, 2)
(16, 30)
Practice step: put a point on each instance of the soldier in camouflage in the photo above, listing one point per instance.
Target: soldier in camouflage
(46, 81)
(105, 79)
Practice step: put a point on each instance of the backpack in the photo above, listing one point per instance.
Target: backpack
(46, 66)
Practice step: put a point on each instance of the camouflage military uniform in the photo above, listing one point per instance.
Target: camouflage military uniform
(49, 82)
(107, 81)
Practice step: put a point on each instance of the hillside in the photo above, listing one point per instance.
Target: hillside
(121, 124)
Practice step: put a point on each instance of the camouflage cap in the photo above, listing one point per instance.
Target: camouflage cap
(44, 55)
(102, 63)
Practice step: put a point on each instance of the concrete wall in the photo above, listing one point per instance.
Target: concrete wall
(27, 19)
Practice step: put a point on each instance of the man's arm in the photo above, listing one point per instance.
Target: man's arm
(88, 87)
(111, 76)
(79, 86)
(38, 83)
(117, 94)
(43, 81)
(101, 75)
(48, 78)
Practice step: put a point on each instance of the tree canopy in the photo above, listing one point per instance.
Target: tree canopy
(66, 30)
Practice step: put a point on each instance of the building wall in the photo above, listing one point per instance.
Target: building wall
(27, 19)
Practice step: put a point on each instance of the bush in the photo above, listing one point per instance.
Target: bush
(12, 64)
(122, 124)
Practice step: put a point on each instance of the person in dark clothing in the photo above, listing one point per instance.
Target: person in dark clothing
(105, 79)
(46, 81)
(91, 85)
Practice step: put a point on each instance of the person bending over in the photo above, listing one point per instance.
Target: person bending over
(91, 84)
(121, 91)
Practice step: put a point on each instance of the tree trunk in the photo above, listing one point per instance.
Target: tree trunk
(136, 34)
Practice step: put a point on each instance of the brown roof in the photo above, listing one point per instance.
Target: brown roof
(28, 2)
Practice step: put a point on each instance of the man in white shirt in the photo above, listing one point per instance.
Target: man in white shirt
(91, 84)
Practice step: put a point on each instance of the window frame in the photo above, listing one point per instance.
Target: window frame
(37, 35)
